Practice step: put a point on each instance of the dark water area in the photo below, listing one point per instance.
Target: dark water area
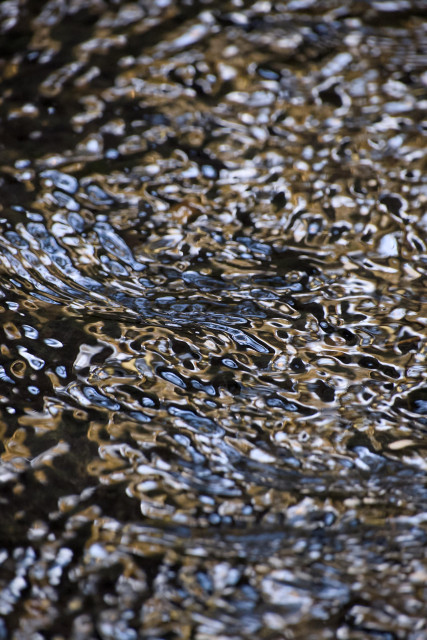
(213, 397)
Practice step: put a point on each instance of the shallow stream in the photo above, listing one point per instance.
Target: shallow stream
(213, 398)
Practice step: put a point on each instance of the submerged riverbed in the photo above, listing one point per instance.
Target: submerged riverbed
(213, 398)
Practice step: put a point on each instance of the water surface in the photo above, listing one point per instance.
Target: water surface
(213, 310)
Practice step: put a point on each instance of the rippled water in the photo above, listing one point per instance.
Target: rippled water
(213, 406)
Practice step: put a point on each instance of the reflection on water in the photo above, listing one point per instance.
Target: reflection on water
(212, 279)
